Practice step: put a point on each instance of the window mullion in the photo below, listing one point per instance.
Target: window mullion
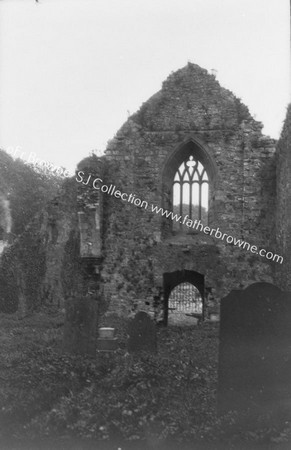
(181, 200)
(200, 209)
(190, 171)
(190, 200)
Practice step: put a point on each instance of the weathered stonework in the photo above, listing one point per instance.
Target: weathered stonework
(94, 245)
(283, 210)
(31, 268)
(191, 111)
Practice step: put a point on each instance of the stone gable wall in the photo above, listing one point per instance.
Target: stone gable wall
(89, 242)
(129, 248)
(191, 107)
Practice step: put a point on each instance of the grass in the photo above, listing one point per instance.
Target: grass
(141, 400)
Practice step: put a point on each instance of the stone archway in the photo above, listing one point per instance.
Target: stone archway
(183, 277)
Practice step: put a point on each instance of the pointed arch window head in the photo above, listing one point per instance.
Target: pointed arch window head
(190, 191)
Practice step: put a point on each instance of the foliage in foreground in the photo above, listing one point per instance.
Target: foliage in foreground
(117, 395)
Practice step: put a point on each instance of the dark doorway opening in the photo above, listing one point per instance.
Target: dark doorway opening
(183, 294)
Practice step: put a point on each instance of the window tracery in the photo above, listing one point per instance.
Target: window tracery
(190, 191)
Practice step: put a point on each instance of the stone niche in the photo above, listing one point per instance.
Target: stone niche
(90, 236)
(90, 205)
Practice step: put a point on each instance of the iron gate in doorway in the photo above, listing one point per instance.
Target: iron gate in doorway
(183, 297)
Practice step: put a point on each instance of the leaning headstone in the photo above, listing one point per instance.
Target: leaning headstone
(142, 334)
(255, 351)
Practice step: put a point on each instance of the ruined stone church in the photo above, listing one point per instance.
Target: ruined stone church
(122, 231)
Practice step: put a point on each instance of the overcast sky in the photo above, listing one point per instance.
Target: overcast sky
(72, 70)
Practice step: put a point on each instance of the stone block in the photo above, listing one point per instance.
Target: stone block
(104, 344)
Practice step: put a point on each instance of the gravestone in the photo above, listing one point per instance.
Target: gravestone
(81, 326)
(106, 341)
(255, 352)
(142, 334)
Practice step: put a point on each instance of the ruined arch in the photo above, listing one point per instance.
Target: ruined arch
(186, 148)
(173, 279)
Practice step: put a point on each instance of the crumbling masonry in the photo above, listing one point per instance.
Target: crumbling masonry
(133, 257)
(141, 253)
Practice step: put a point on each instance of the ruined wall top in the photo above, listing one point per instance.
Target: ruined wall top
(283, 204)
(190, 99)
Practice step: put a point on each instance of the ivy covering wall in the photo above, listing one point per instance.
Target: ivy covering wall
(30, 269)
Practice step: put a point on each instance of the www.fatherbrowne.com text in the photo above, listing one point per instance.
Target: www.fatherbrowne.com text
(184, 220)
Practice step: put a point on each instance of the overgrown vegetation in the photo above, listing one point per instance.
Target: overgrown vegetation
(26, 257)
(168, 397)
(28, 189)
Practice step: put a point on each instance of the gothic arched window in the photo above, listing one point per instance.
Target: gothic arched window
(190, 191)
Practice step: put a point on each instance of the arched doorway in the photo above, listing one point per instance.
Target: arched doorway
(185, 305)
(183, 297)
